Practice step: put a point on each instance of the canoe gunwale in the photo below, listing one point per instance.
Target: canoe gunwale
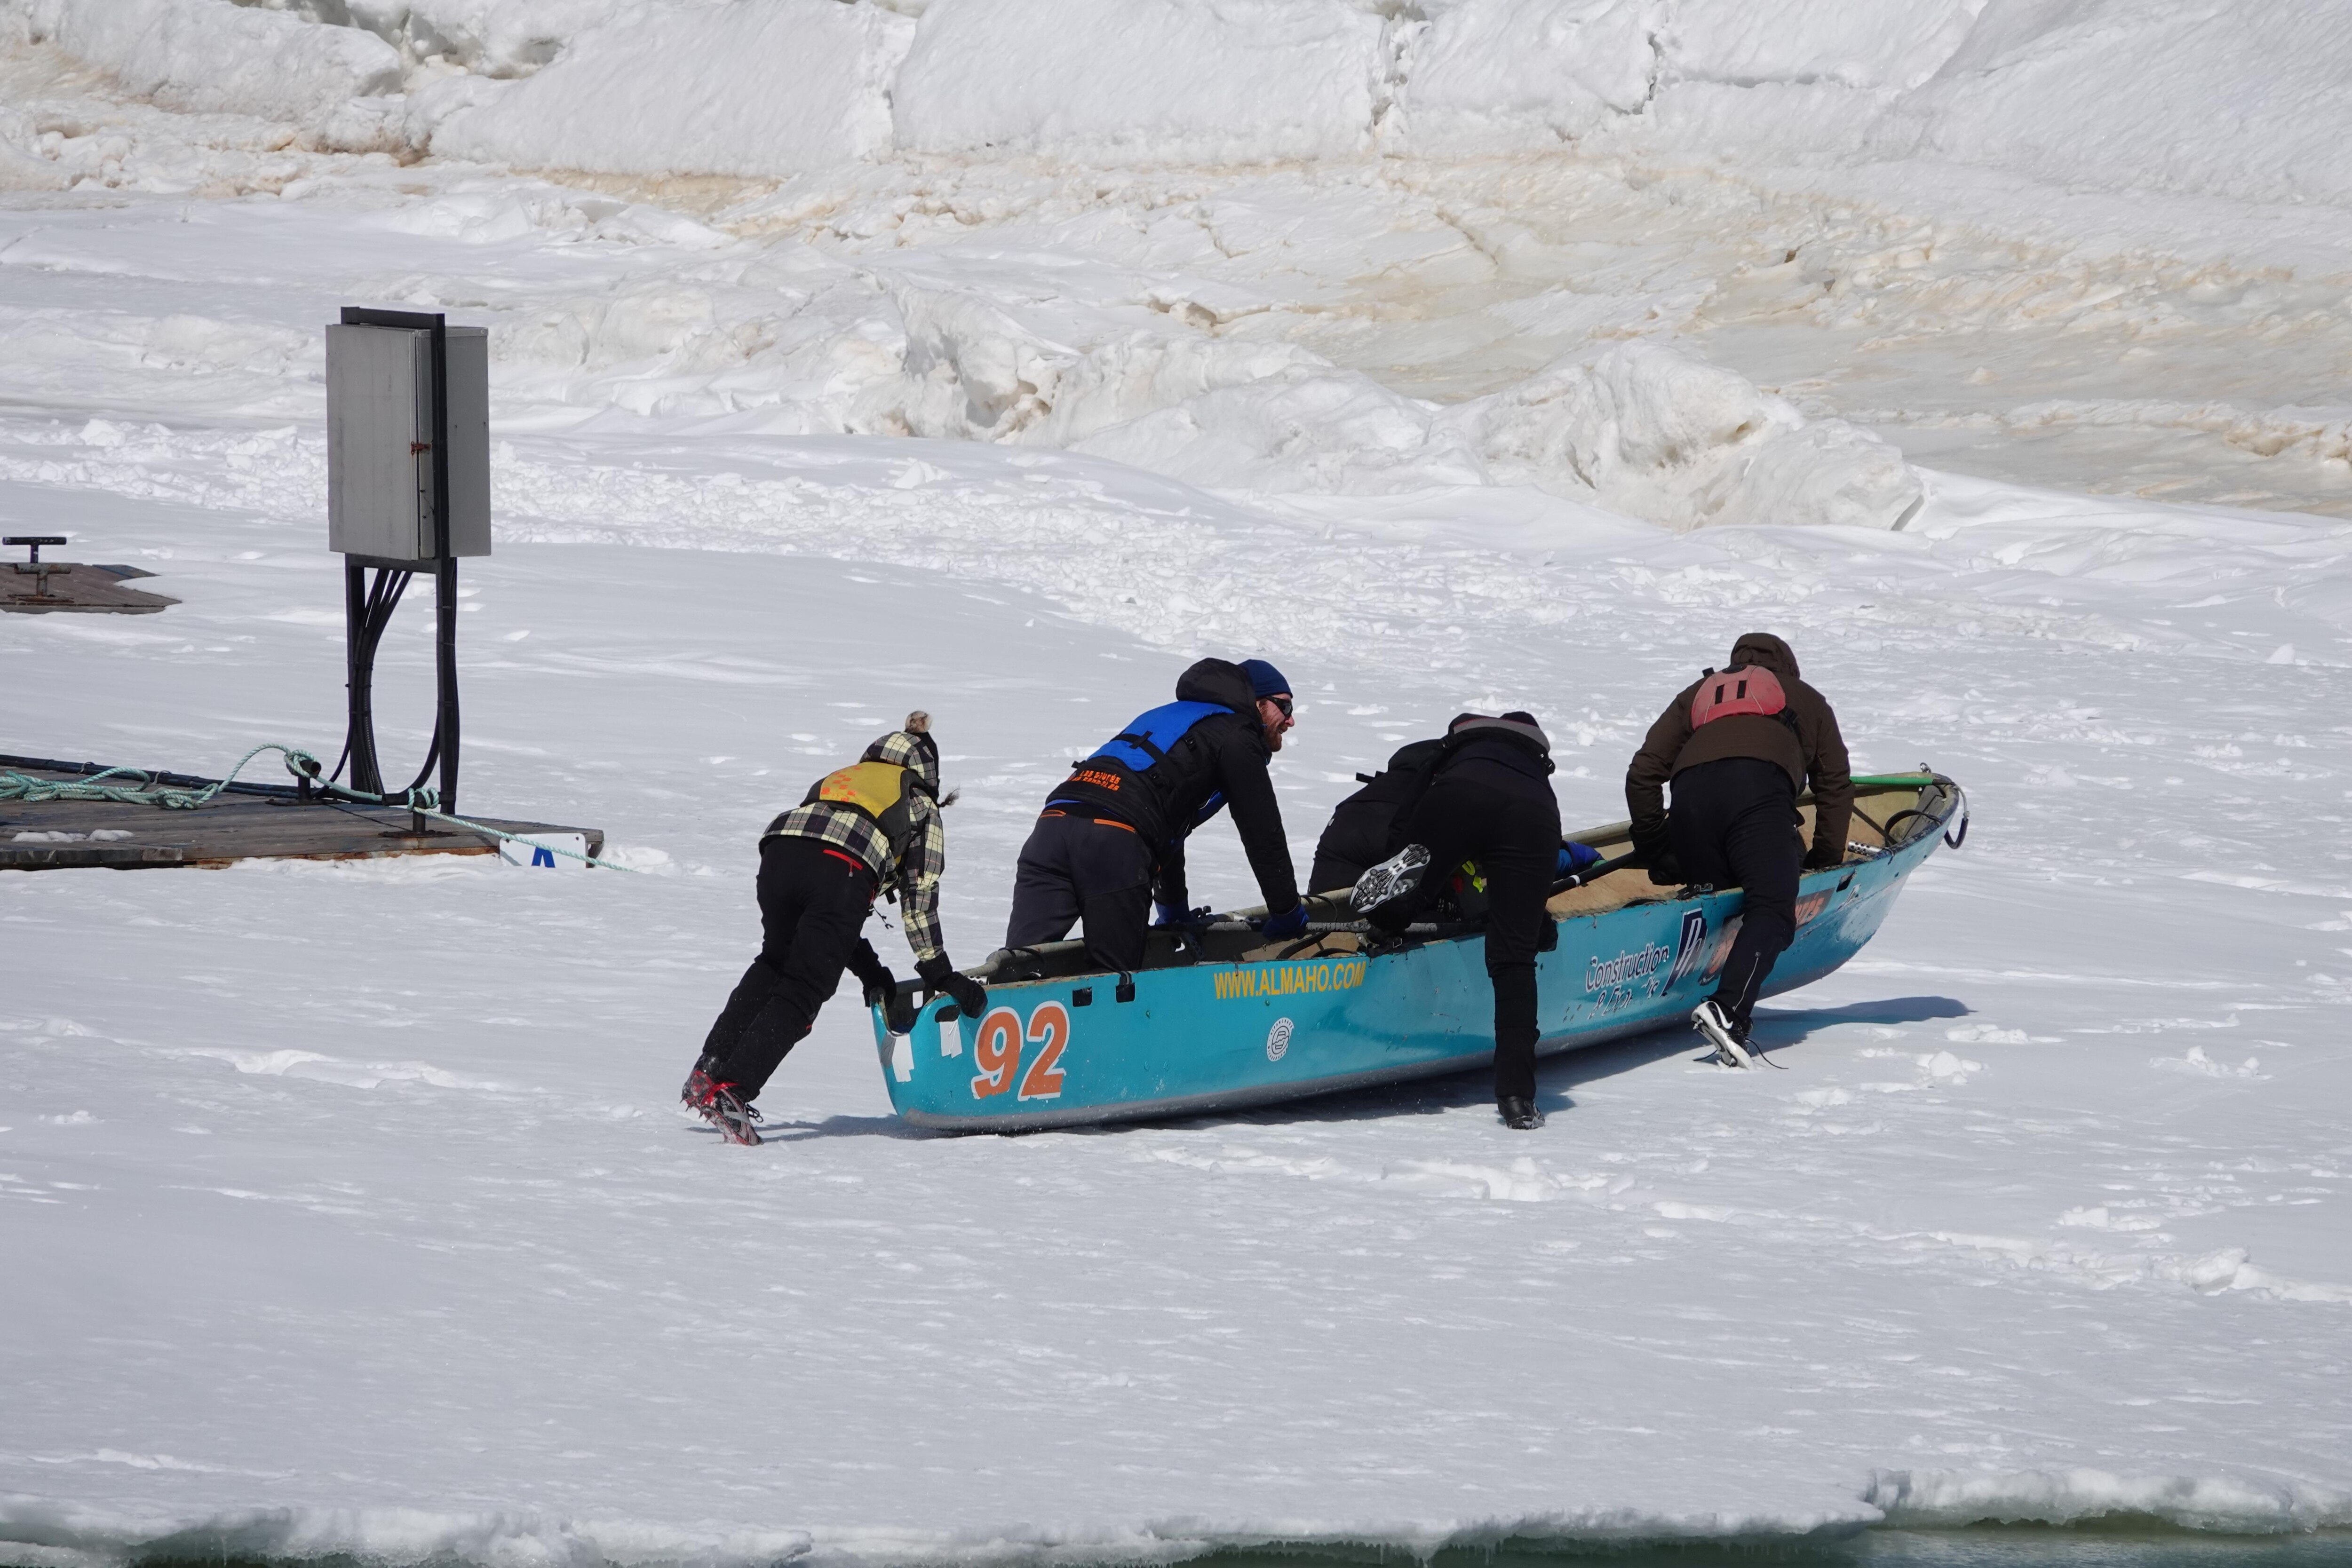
(1058, 958)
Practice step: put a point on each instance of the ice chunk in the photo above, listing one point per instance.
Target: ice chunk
(1659, 433)
(214, 57)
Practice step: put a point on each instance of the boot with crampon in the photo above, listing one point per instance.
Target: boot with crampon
(720, 1105)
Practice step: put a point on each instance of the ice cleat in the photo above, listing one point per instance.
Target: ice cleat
(720, 1105)
(1730, 1042)
(1395, 878)
(726, 1110)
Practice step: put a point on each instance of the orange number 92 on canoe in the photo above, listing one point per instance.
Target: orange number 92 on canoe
(998, 1052)
(1049, 1031)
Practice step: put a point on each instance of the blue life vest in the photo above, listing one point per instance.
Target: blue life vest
(1147, 740)
(1125, 778)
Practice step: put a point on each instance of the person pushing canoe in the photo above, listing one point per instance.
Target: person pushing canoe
(1487, 799)
(1111, 843)
(1737, 745)
(873, 826)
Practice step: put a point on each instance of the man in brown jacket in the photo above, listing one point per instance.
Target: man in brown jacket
(1739, 745)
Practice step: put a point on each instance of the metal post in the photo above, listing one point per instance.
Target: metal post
(444, 577)
(445, 605)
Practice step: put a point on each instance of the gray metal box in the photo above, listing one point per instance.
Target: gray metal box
(380, 451)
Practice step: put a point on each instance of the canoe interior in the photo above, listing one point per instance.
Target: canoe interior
(1876, 808)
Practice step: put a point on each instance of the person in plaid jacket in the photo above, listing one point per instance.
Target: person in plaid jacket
(870, 828)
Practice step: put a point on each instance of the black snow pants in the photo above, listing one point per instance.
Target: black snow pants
(813, 900)
(1078, 868)
(1510, 826)
(1733, 824)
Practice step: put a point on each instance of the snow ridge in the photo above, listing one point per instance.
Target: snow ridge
(223, 59)
(2072, 93)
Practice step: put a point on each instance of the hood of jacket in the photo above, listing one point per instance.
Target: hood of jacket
(1761, 648)
(1517, 730)
(912, 749)
(1220, 682)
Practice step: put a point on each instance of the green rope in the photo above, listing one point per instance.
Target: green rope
(15, 786)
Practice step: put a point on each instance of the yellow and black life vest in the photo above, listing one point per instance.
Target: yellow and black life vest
(879, 791)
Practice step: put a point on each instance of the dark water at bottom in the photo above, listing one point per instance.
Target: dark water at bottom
(2001, 1546)
(2102, 1546)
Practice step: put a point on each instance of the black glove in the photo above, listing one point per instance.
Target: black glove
(897, 1011)
(1658, 855)
(969, 994)
(1820, 857)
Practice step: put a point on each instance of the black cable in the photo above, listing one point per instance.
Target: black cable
(375, 617)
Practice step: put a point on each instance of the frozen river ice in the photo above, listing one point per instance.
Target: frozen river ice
(347, 1207)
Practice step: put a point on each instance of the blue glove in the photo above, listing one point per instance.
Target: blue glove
(1574, 858)
(1170, 915)
(1289, 923)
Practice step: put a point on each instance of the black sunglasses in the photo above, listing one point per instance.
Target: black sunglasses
(1282, 703)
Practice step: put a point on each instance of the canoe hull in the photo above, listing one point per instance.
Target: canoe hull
(1226, 1036)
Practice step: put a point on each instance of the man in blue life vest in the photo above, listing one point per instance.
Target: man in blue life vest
(1737, 745)
(1111, 844)
(873, 826)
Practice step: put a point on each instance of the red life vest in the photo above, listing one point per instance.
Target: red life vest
(1748, 689)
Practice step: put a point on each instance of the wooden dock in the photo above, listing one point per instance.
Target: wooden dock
(244, 821)
(74, 587)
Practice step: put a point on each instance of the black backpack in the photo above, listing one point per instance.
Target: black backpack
(1363, 827)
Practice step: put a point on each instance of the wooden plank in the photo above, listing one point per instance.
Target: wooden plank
(67, 586)
(44, 835)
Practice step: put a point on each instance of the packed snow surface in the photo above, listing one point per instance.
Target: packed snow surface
(997, 356)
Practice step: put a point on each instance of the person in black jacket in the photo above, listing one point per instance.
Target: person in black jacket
(1489, 800)
(1111, 843)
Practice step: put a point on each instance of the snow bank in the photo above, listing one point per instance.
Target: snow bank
(1639, 428)
(1946, 1498)
(2125, 95)
(1156, 81)
(1506, 74)
(763, 88)
(2173, 95)
(213, 57)
(491, 37)
(2133, 95)
(1654, 433)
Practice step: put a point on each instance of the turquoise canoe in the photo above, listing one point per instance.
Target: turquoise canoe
(1231, 1022)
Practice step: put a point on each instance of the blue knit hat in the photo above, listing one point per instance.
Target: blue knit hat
(1266, 681)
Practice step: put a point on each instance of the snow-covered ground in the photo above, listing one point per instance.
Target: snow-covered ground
(1508, 360)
